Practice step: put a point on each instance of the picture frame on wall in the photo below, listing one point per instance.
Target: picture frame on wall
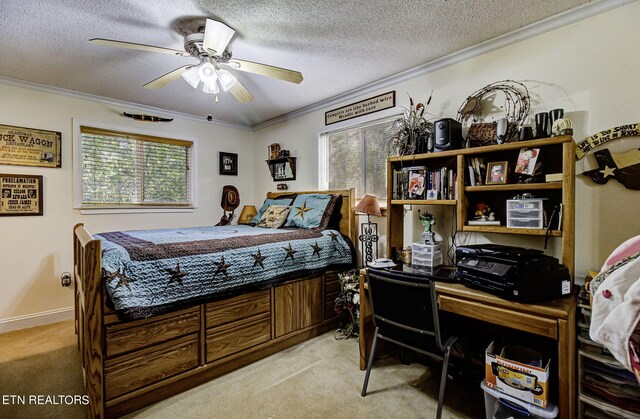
(21, 146)
(20, 195)
(228, 164)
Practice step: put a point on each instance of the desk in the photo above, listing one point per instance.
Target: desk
(555, 319)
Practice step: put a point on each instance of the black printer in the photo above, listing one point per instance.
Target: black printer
(513, 273)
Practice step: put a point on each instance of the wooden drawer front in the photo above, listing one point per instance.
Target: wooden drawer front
(236, 308)
(500, 316)
(226, 341)
(134, 371)
(331, 284)
(298, 305)
(310, 302)
(330, 304)
(126, 337)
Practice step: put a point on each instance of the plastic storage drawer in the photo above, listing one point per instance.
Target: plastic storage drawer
(499, 405)
(525, 213)
(426, 255)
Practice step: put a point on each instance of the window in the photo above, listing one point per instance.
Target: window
(356, 157)
(125, 170)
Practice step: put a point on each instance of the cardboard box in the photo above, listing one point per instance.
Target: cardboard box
(518, 379)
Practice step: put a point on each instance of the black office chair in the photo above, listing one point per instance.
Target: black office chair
(405, 312)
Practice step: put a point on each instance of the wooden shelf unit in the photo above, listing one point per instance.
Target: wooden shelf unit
(553, 319)
(282, 162)
(557, 155)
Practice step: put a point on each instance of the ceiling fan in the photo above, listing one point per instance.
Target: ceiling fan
(210, 47)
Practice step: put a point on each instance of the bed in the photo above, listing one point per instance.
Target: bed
(168, 337)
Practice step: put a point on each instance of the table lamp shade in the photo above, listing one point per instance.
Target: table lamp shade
(247, 214)
(369, 205)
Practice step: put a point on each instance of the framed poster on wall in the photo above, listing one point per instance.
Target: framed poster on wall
(228, 164)
(20, 195)
(30, 147)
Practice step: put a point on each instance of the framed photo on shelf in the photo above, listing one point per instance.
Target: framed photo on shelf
(527, 161)
(497, 173)
(228, 164)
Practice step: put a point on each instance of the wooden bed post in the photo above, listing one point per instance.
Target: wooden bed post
(89, 312)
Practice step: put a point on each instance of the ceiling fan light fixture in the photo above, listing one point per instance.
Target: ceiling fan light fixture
(191, 76)
(211, 88)
(207, 72)
(227, 80)
(217, 36)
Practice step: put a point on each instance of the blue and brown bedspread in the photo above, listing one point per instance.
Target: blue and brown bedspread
(150, 272)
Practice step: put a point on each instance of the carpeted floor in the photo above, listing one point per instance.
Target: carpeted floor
(316, 379)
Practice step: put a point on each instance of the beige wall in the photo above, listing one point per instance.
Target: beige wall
(35, 251)
(589, 68)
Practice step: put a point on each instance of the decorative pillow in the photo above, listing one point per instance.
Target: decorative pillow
(274, 216)
(311, 211)
(283, 200)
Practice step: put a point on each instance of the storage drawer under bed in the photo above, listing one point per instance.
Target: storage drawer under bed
(147, 366)
(127, 337)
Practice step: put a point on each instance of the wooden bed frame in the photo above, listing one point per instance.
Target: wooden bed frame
(129, 365)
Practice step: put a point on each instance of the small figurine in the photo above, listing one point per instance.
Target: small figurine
(484, 213)
(427, 220)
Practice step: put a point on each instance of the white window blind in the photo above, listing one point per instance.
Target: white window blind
(129, 170)
(356, 157)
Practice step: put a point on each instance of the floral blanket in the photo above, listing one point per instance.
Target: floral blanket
(149, 272)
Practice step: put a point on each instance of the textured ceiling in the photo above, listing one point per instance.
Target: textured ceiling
(337, 45)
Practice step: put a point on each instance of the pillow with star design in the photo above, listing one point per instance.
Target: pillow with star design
(311, 211)
(274, 216)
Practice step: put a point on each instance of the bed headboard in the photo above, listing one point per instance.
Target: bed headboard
(347, 222)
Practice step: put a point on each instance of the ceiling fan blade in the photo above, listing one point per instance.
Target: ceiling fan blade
(241, 93)
(167, 78)
(266, 70)
(216, 36)
(140, 47)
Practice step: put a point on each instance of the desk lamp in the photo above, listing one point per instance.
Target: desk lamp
(369, 231)
(247, 214)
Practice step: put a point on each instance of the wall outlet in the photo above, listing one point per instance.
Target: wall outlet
(65, 279)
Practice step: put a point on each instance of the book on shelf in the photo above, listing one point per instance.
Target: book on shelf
(418, 182)
(477, 168)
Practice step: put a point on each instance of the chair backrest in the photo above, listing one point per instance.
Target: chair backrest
(404, 308)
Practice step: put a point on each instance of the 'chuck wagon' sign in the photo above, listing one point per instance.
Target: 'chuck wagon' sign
(30, 147)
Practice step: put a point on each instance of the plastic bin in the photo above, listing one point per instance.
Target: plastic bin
(525, 213)
(426, 255)
(501, 406)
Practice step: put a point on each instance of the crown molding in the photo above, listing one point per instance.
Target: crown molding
(115, 102)
(534, 29)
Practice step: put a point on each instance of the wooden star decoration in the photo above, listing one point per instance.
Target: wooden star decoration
(258, 259)
(290, 252)
(176, 274)
(222, 267)
(316, 249)
(301, 210)
(334, 236)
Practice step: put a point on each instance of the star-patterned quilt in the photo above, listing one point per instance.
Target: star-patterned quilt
(149, 272)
